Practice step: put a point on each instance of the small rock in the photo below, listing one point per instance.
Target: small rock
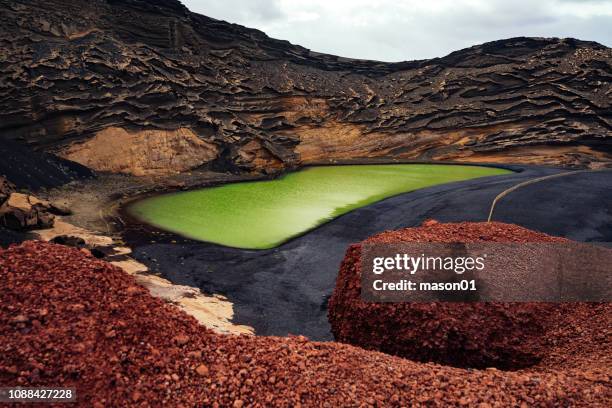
(69, 240)
(429, 223)
(181, 339)
(98, 253)
(59, 209)
(202, 370)
(136, 396)
(76, 308)
(20, 319)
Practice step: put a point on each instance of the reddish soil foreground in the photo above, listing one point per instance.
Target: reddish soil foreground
(68, 319)
(570, 339)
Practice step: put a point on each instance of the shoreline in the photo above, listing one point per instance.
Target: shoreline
(284, 290)
(211, 310)
(194, 264)
(104, 221)
(128, 221)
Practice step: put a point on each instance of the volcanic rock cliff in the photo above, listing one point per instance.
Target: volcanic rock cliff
(147, 87)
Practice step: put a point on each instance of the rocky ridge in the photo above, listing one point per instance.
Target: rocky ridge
(73, 70)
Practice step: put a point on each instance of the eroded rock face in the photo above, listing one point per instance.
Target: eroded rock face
(477, 335)
(21, 212)
(145, 152)
(73, 70)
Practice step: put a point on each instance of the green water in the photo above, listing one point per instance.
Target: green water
(264, 214)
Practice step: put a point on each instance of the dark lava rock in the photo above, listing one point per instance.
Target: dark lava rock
(78, 242)
(6, 189)
(9, 237)
(32, 170)
(22, 212)
(101, 252)
(59, 209)
(69, 240)
(75, 68)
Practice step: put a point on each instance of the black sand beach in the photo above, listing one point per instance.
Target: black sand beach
(285, 290)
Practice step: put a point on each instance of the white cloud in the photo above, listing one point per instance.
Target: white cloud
(394, 30)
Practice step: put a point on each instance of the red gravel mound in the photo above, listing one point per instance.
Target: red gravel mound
(477, 335)
(68, 319)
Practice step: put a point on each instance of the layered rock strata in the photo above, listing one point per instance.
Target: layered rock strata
(151, 80)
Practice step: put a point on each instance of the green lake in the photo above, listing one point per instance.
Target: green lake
(264, 214)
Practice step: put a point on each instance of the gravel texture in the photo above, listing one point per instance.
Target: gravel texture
(68, 319)
(475, 335)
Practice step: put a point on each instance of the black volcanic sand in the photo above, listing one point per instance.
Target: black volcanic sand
(576, 206)
(285, 289)
(33, 170)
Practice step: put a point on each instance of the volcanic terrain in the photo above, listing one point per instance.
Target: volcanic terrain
(149, 88)
(68, 319)
(103, 102)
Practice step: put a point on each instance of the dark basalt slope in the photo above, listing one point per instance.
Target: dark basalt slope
(33, 170)
(128, 85)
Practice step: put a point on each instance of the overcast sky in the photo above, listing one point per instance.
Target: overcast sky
(397, 30)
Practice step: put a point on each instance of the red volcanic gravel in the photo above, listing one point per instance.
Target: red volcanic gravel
(477, 334)
(434, 231)
(68, 319)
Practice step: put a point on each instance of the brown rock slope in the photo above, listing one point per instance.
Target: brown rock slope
(67, 319)
(73, 69)
(478, 334)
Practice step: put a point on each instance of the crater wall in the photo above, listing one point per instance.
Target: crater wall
(73, 69)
